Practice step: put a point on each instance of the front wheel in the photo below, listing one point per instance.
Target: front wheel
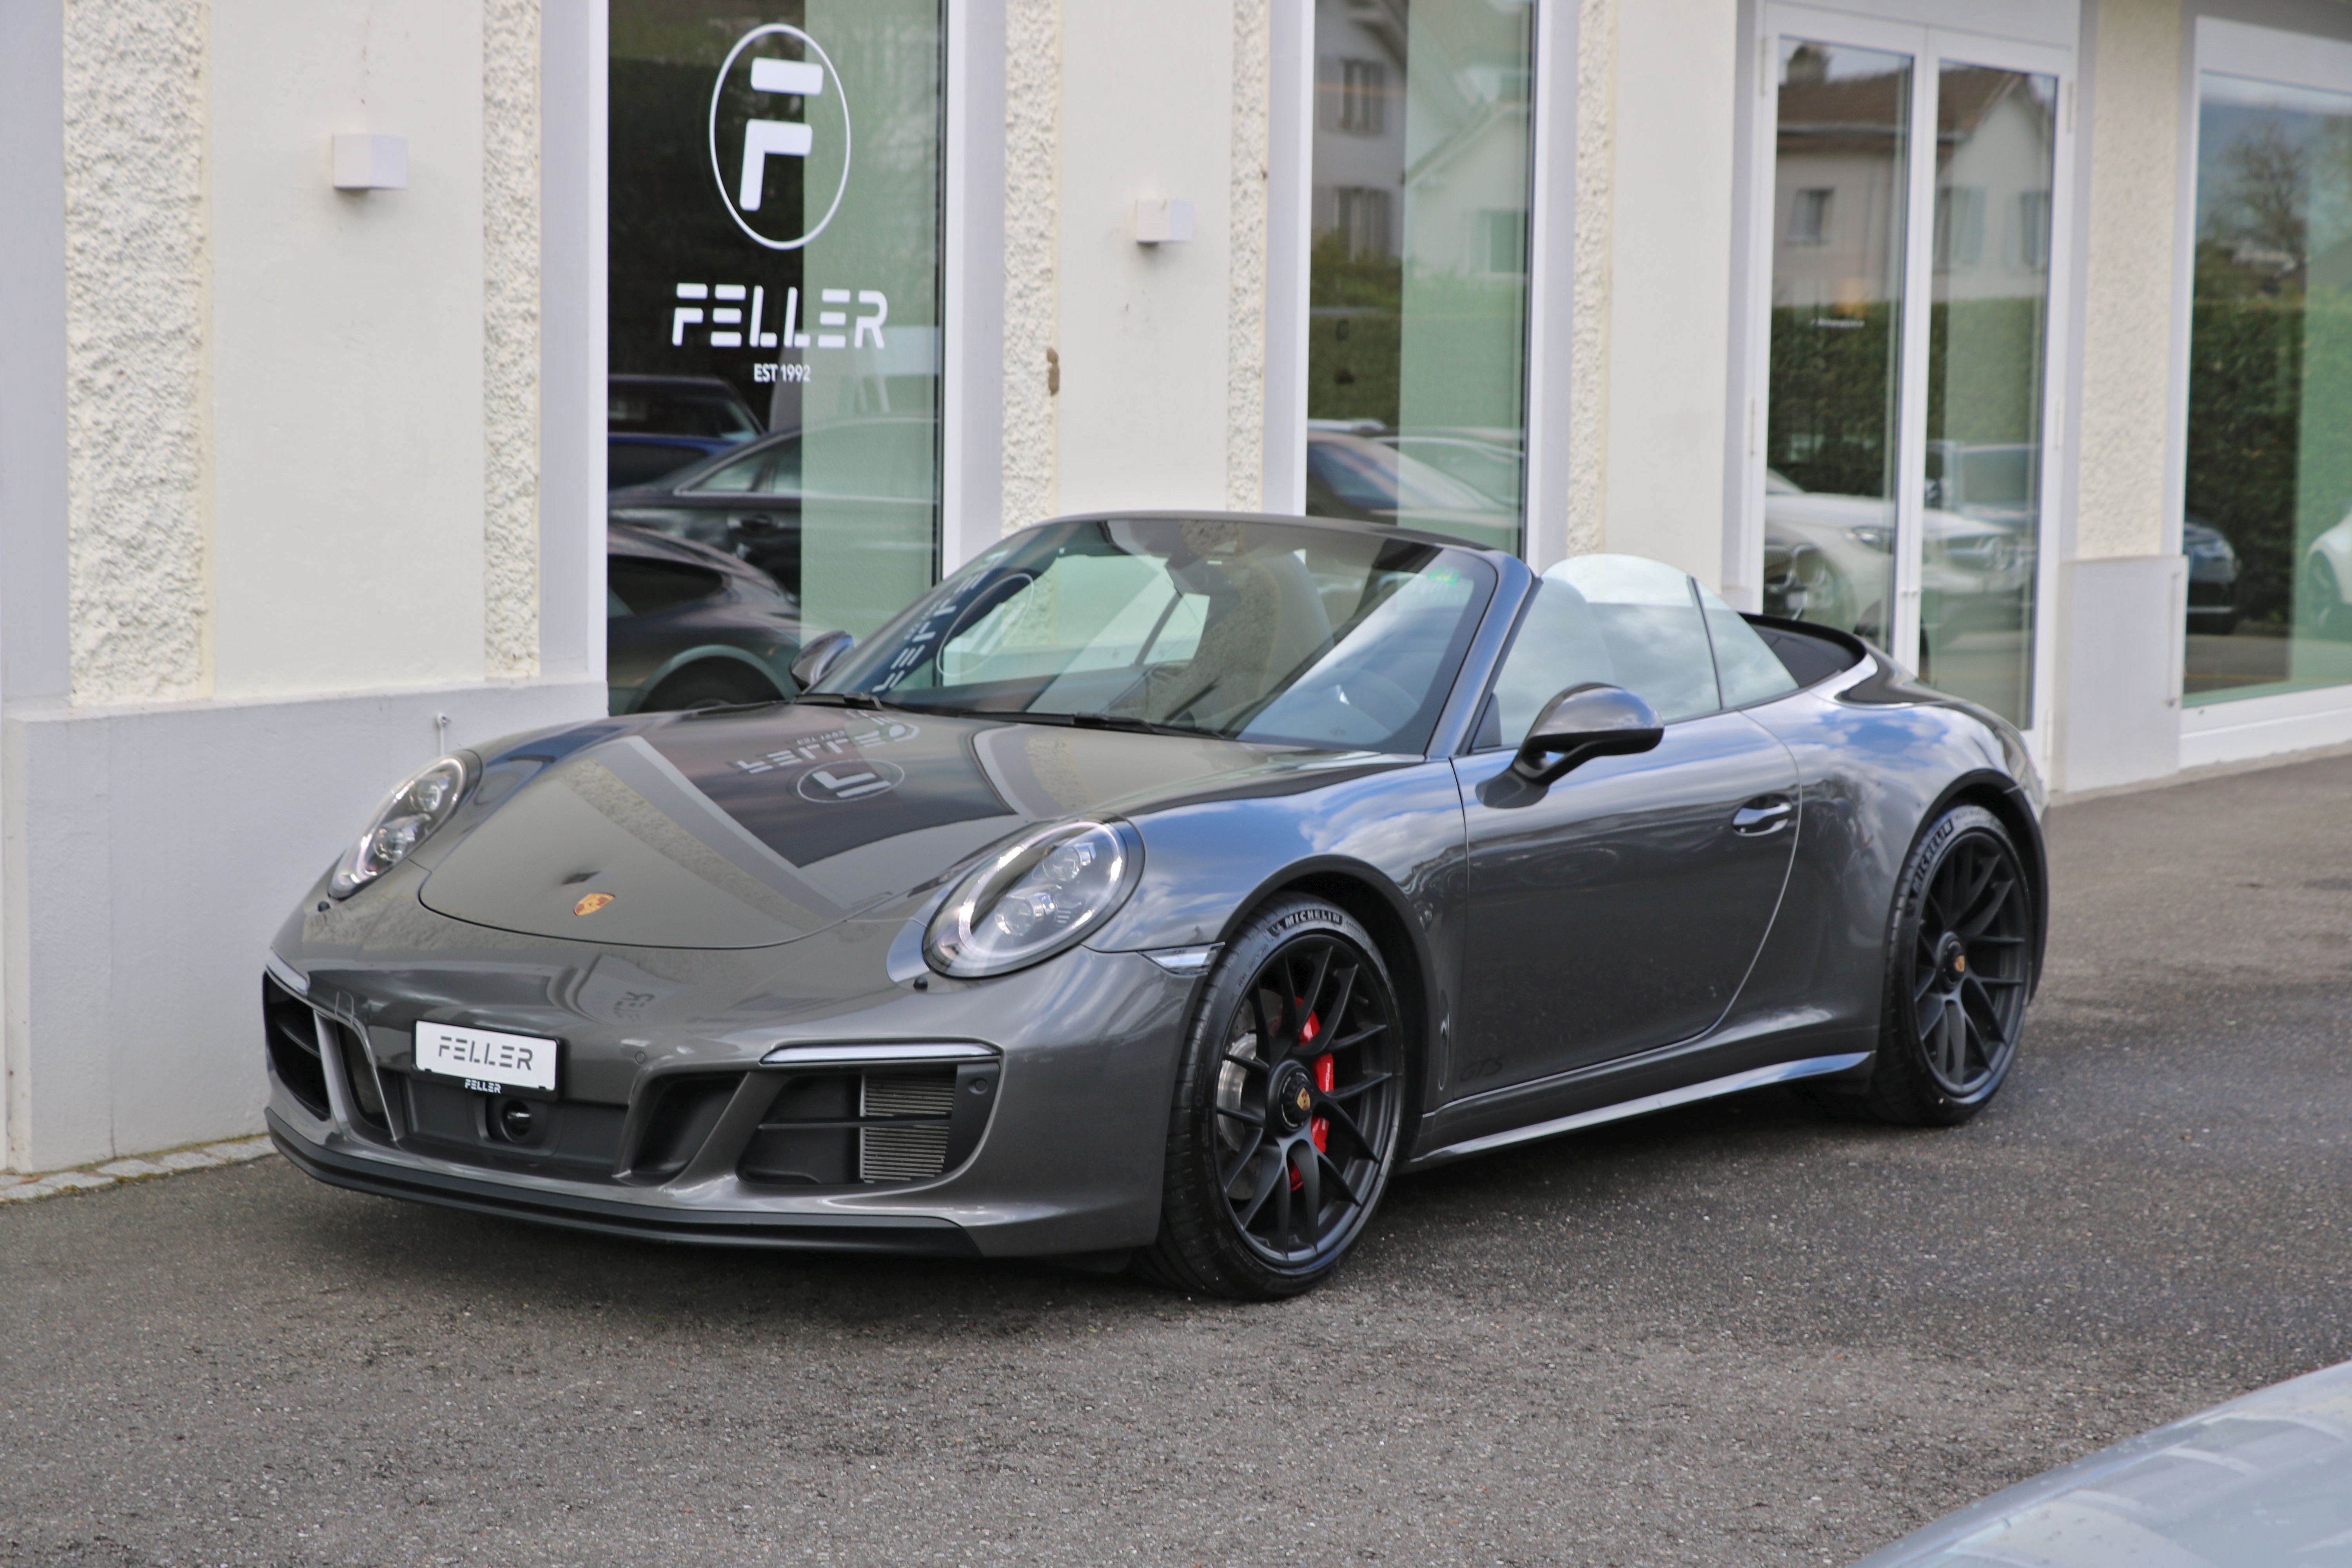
(1958, 970)
(1289, 1108)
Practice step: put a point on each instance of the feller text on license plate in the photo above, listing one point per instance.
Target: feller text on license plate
(487, 1059)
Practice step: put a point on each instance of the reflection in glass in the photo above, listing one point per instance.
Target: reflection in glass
(1417, 293)
(2267, 533)
(775, 262)
(1988, 322)
(1212, 626)
(1832, 410)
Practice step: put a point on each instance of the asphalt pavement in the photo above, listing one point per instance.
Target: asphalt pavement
(1737, 1335)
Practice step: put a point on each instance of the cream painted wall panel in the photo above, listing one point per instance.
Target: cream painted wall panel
(1670, 280)
(1147, 112)
(135, 269)
(349, 348)
(2126, 358)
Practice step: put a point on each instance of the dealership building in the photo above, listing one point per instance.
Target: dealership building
(1999, 331)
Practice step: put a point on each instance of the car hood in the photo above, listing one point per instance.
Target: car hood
(751, 828)
(2260, 1481)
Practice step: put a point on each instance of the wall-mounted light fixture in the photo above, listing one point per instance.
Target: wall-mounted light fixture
(1167, 221)
(366, 161)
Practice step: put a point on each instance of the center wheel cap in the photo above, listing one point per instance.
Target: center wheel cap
(1294, 1096)
(1951, 961)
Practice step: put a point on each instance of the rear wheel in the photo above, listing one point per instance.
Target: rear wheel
(1958, 974)
(713, 683)
(1288, 1108)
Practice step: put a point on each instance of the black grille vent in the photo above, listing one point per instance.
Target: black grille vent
(917, 1151)
(845, 1128)
(292, 1032)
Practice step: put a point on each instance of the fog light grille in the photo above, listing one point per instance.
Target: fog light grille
(917, 1151)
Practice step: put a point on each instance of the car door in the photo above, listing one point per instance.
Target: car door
(1619, 907)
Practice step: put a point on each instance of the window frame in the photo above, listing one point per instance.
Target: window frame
(2235, 728)
(1920, 31)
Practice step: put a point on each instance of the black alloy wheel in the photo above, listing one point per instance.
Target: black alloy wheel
(1959, 973)
(1289, 1108)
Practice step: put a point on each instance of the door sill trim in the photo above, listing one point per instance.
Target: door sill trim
(1736, 1083)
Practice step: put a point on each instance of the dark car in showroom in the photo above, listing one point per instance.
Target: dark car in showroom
(1151, 892)
(688, 627)
(872, 479)
(657, 424)
(2212, 578)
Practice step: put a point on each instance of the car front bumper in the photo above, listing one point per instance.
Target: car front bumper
(1061, 1078)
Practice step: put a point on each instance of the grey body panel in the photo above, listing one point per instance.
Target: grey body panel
(2260, 1482)
(771, 869)
(1627, 889)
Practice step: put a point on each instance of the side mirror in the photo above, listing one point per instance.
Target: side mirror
(819, 654)
(1584, 723)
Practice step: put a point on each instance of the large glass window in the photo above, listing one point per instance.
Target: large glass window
(2269, 472)
(1849, 536)
(1416, 355)
(1832, 402)
(1989, 321)
(774, 279)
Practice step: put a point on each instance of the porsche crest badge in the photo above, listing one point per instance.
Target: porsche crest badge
(591, 903)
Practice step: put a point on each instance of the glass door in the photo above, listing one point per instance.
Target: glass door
(1900, 419)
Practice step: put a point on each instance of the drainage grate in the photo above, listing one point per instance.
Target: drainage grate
(917, 1151)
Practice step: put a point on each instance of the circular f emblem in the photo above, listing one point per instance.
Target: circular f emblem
(778, 136)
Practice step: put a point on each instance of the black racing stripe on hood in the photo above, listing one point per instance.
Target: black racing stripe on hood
(812, 783)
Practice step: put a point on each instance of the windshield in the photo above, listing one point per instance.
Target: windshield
(1253, 631)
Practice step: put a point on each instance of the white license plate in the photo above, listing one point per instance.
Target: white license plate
(486, 1057)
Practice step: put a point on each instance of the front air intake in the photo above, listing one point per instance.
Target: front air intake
(290, 1031)
(920, 1149)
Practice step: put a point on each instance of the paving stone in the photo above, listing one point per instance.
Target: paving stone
(185, 1159)
(131, 1168)
(240, 1149)
(67, 1180)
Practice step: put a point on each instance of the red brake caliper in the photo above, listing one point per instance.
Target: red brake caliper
(1325, 1077)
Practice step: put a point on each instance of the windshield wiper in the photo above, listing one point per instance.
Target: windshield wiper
(1120, 722)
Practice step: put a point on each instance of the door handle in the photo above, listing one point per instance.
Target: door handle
(1759, 818)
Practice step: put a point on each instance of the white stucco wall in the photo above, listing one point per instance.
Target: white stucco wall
(1033, 73)
(1147, 113)
(2127, 354)
(1246, 348)
(511, 400)
(136, 274)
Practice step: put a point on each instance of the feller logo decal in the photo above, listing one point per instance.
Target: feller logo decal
(850, 779)
(741, 147)
(591, 903)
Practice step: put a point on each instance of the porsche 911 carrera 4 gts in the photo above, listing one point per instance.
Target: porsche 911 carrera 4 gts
(1153, 891)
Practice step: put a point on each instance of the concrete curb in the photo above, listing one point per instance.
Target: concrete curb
(197, 1157)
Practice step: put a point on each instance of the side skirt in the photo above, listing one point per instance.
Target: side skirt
(1736, 1083)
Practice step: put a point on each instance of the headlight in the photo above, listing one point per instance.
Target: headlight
(405, 819)
(1035, 899)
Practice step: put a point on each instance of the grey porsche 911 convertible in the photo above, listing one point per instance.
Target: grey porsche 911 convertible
(1153, 890)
